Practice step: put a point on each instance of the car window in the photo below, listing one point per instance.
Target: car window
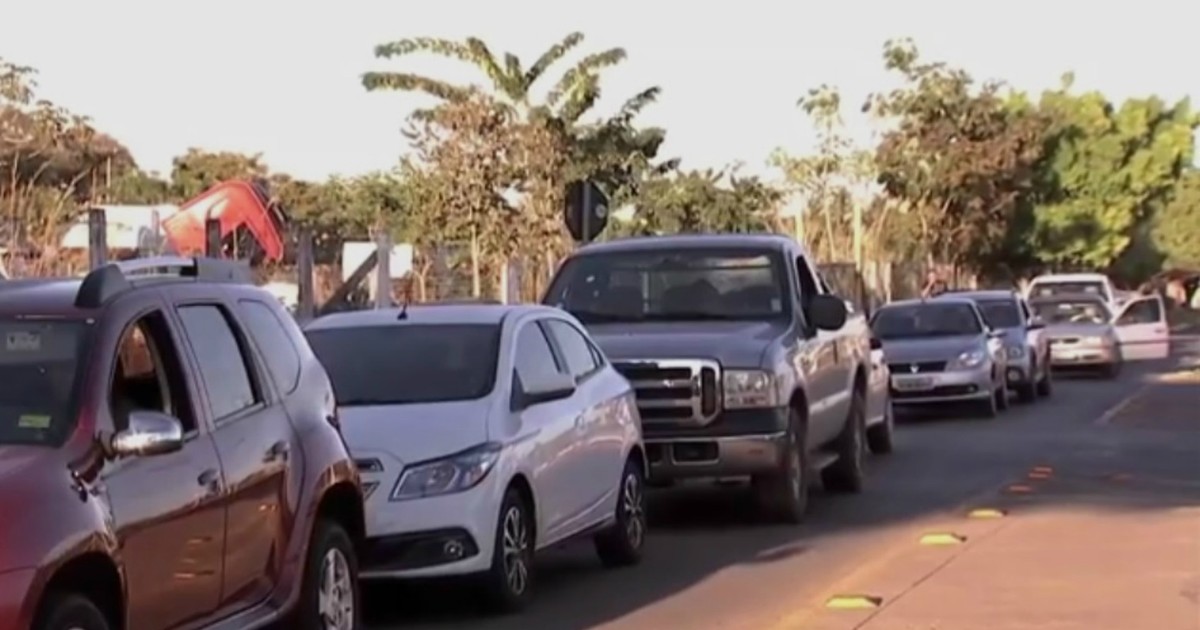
(1000, 313)
(534, 361)
(223, 366)
(147, 375)
(808, 284)
(1142, 312)
(39, 375)
(1072, 311)
(680, 284)
(273, 342)
(576, 350)
(397, 364)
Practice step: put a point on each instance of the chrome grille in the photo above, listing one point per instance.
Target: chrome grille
(674, 391)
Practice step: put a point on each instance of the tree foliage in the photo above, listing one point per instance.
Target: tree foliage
(1109, 168)
(1176, 227)
(702, 201)
(963, 161)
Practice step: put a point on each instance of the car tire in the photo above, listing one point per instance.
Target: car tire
(1112, 370)
(881, 436)
(621, 545)
(1045, 385)
(987, 407)
(783, 495)
(847, 474)
(508, 584)
(1027, 392)
(70, 611)
(330, 580)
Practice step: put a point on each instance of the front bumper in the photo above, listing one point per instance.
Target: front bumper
(1073, 355)
(436, 536)
(737, 443)
(942, 387)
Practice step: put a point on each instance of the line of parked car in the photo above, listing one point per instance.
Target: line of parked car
(175, 451)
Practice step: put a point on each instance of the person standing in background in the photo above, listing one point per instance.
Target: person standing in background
(934, 285)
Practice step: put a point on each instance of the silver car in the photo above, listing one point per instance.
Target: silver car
(942, 351)
(1026, 346)
(1081, 331)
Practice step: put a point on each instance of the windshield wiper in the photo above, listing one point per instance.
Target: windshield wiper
(598, 318)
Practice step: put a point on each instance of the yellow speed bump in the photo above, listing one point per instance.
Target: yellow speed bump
(942, 538)
(1043, 470)
(982, 513)
(853, 602)
(1039, 475)
(1019, 488)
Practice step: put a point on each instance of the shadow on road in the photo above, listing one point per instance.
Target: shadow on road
(701, 535)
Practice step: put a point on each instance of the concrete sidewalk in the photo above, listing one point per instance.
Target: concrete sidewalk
(1105, 537)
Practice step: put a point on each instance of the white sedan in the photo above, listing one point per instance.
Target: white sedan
(483, 434)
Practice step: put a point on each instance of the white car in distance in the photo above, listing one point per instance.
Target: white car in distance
(484, 433)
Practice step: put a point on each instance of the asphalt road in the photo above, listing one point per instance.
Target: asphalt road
(710, 565)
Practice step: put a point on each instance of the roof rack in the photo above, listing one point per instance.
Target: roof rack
(104, 283)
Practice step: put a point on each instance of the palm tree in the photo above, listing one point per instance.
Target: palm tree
(612, 151)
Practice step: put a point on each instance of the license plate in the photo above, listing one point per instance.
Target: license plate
(912, 384)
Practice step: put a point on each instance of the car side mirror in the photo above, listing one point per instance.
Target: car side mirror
(1035, 324)
(827, 312)
(876, 344)
(554, 387)
(997, 334)
(149, 433)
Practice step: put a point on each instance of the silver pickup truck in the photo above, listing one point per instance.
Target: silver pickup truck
(744, 364)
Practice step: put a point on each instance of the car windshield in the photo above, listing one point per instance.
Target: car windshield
(1072, 312)
(39, 369)
(927, 319)
(1056, 288)
(1000, 313)
(408, 363)
(695, 284)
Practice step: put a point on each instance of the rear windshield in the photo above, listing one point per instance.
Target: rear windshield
(1000, 313)
(408, 363)
(927, 319)
(679, 284)
(1072, 311)
(1054, 288)
(39, 368)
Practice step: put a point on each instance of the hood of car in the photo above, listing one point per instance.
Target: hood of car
(926, 349)
(733, 344)
(399, 435)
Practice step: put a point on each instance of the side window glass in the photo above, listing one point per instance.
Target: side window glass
(534, 361)
(1025, 314)
(148, 375)
(223, 365)
(576, 350)
(272, 340)
(1142, 312)
(808, 284)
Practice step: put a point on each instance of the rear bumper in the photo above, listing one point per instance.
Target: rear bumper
(1083, 356)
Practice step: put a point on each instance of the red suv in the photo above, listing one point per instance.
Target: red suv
(169, 457)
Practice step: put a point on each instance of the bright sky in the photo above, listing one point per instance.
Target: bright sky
(282, 77)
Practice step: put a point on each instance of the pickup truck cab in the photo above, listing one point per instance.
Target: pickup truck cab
(743, 364)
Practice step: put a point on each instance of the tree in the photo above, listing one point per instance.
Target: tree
(1107, 170)
(196, 170)
(701, 201)
(472, 153)
(612, 151)
(836, 184)
(961, 159)
(1176, 228)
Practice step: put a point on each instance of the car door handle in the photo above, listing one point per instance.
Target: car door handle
(210, 480)
(278, 452)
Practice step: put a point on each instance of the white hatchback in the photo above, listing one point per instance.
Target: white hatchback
(484, 433)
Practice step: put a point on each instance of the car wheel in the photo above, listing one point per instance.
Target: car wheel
(846, 474)
(330, 599)
(987, 407)
(508, 585)
(880, 436)
(783, 495)
(68, 611)
(621, 545)
(1112, 370)
(1045, 386)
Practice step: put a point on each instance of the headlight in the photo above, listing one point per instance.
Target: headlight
(970, 359)
(455, 473)
(745, 389)
(1015, 352)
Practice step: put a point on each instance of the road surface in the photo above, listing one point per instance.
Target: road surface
(710, 566)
